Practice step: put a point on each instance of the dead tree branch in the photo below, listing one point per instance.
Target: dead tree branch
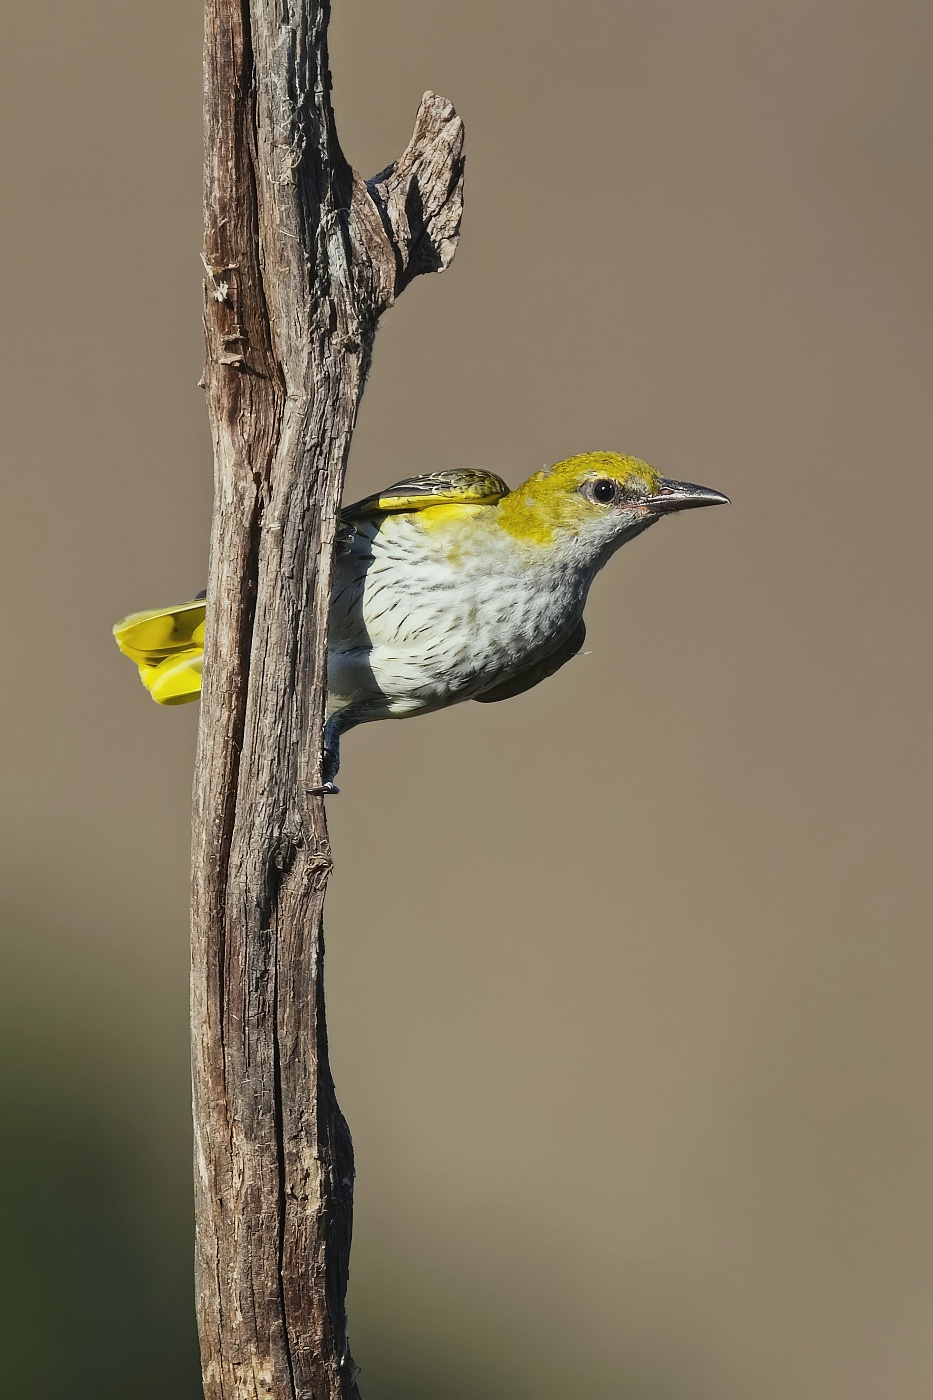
(302, 257)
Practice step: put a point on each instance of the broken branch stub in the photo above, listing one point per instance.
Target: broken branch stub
(419, 200)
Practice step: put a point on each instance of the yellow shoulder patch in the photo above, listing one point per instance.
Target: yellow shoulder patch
(434, 516)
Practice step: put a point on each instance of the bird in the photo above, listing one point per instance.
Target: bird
(447, 587)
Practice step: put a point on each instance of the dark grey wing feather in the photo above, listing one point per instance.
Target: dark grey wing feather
(435, 489)
(533, 675)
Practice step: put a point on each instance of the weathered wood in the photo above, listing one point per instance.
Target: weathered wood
(302, 257)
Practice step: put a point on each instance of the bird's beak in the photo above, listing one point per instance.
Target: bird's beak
(681, 495)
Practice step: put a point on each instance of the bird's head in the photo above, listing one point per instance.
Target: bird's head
(594, 502)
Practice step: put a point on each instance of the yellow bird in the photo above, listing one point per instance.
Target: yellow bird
(447, 587)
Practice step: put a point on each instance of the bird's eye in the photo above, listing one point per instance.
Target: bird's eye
(604, 492)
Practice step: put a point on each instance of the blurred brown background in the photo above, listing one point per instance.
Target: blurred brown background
(654, 1122)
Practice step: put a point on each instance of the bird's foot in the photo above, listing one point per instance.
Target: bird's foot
(329, 766)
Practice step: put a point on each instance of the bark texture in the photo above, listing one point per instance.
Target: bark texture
(301, 257)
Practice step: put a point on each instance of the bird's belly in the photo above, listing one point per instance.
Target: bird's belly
(428, 635)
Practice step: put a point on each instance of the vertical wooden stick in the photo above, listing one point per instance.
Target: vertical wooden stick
(301, 259)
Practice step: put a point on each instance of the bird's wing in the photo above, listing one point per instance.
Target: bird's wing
(533, 675)
(436, 489)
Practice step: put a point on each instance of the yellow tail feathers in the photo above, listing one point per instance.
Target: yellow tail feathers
(167, 645)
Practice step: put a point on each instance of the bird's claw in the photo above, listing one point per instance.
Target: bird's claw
(325, 790)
